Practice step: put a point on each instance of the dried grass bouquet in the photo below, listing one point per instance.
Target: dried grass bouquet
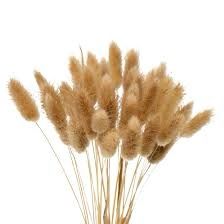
(118, 120)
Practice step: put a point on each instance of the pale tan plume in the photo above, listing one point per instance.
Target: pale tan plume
(104, 67)
(115, 64)
(196, 123)
(76, 70)
(171, 130)
(160, 71)
(160, 152)
(147, 102)
(76, 136)
(108, 142)
(129, 107)
(174, 97)
(100, 122)
(84, 109)
(131, 60)
(186, 110)
(107, 99)
(88, 83)
(23, 101)
(131, 139)
(163, 85)
(149, 136)
(95, 66)
(132, 75)
(56, 114)
(67, 96)
(41, 81)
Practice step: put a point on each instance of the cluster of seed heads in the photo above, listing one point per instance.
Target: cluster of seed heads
(145, 114)
(112, 104)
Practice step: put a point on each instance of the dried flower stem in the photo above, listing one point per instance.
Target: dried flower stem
(62, 167)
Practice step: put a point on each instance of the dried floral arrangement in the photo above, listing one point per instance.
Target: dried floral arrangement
(121, 121)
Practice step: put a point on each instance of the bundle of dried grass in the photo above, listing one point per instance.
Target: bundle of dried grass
(112, 126)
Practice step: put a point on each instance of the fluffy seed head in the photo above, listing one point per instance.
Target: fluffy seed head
(108, 143)
(134, 124)
(76, 70)
(23, 101)
(174, 98)
(129, 108)
(92, 62)
(107, 99)
(196, 123)
(56, 114)
(186, 111)
(171, 130)
(67, 98)
(148, 101)
(115, 64)
(163, 85)
(131, 139)
(149, 136)
(100, 121)
(41, 81)
(134, 89)
(77, 136)
(104, 67)
(131, 60)
(130, 77)
(160, 71)
(84, 111)
(88, 83)
(160, 152)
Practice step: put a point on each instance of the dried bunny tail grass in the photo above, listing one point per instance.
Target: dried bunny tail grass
(92, 62)
(89, 84)
(174, 98)
(95, 66)
(84, 110)
(65, 86)
(196, 123)
(171, 130)
(104, 67)
(76, 70)
(108, 143)
(115, 64)
(131, 139)
(160, 71)
(129, 108)
(149, 137)
(41, 81)
(52, 104)
(107, 99)
(134, 124)
(77, 136)
(23, 101)
(160, 152)
(56, 114)
(130, 77)
(67, 98)
(100, 121)
(131, 60)
(186, 111)
(134, 89)
(148, 101)
(164, 85)
(45, 88)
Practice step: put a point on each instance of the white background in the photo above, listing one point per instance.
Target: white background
(188, 186)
